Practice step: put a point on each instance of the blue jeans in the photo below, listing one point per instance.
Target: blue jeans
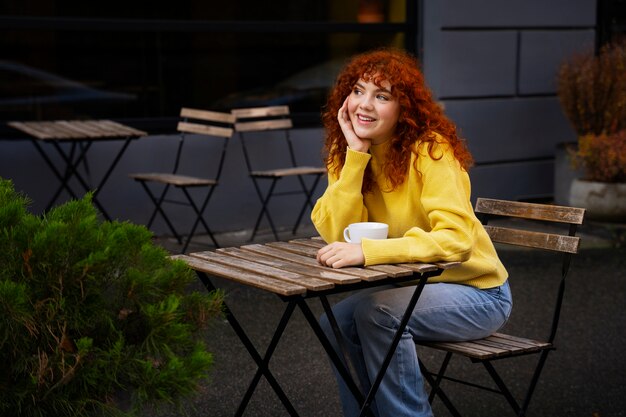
(444, 312)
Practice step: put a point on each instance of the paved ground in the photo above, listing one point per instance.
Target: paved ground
(585, 377)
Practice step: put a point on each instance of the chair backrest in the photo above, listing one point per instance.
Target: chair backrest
(207, 124)
(263, 119)
(512, 233)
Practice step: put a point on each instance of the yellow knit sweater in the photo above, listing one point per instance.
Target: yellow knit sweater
(430, 216)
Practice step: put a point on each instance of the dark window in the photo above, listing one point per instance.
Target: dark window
(611, 21)
(144, 60)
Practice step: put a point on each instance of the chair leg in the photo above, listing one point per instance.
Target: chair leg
(533, 383)
(308, 192)
(264, 202)
(504, 390)
(199, 218)
(157, 208)
(437, 390)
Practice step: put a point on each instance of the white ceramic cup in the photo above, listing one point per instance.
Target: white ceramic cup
(369, 230)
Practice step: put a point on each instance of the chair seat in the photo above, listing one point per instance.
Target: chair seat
(497, 345)
(173, 179)
(285, 172)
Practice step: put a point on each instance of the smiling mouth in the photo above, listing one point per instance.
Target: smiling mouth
(365, 118)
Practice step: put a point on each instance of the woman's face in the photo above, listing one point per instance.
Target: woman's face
(373, 111)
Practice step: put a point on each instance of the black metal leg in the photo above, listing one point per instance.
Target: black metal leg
(308, 192)
(72, 171)
(332, 354)
(159, 209)
(261, 362)
(442, 395)
(107, 174)
(503, 388)
(440, 374)
(394, 343)
(72, 162)
(199, 218)
(264, 201)
(263, 367)
(533, 382)
(340, 341)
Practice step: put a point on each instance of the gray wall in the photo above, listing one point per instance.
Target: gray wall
(493, 64)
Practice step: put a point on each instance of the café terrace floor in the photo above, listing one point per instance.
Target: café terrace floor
(584, 377)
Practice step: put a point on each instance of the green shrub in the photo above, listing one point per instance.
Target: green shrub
(92, 311)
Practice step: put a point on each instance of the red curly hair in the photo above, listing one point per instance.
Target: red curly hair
(420, 116)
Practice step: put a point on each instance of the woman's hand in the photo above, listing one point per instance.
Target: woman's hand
(354, 142)
(340, 254)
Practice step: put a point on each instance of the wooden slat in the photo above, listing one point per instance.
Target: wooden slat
(254, 280)
(174, 179)
(122, 130)
(547, 241)
(546, 212)
(400, 270)
(264, 269)
(285, 172)
(207, 115)
(295, 248)
(364, 274)
(28, 129)
(496, 345)
(48, 130)
(392, 270)
(262, 125)
(311, 251)
(420, 268)
(201, 129)
(76, 129)
(524, 341)
(316, 242)
(316, 272)
(84, 129)
(254, 112)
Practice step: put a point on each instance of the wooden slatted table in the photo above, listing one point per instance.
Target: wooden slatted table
(80, 134)
(290, 270)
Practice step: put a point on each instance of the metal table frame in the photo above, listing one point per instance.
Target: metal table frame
(81, 135)
(300, 301)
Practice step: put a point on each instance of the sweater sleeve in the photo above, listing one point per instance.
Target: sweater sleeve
(342, 202)
(448, 232)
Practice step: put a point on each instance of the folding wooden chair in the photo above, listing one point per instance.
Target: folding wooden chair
(201, 125)
(499, 346)
(273, 122)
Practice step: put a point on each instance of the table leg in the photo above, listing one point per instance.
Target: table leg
(263, 365)
(261, 362)
(332, 354)
(341, 368)
(106, 176)
(340, 340)
(56, 173)
(392, 349)
(71, 170)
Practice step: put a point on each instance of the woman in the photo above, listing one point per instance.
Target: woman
(393, 157)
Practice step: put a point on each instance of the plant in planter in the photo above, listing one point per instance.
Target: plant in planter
(592, 90)
(602, 190)
(91, 312)
(592, 93)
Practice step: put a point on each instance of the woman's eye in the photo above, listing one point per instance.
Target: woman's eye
(383, 97)
(357, 92)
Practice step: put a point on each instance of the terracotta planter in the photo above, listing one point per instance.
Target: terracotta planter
(603, 200)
